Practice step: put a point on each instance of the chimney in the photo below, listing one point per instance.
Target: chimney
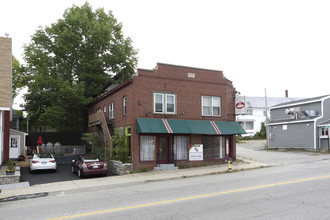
(286, 93)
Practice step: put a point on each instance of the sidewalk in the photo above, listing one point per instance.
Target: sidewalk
(135, 178)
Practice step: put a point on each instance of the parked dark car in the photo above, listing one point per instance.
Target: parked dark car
(87, 165)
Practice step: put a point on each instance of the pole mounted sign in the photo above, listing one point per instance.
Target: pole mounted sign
(240, 106)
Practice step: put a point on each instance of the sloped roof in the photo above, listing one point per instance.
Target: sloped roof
(259, 102)
(319, 98)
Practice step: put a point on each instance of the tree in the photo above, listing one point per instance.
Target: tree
(68, 62)
(18, 77)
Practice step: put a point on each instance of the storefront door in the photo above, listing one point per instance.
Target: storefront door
(163, 151)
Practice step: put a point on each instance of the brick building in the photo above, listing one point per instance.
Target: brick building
(169, 112)
(5, 96)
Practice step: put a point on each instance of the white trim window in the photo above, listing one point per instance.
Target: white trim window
(147, 148)
(125, 105)
(211, 106)
(158, 103)
(111, 110)
(164, 103)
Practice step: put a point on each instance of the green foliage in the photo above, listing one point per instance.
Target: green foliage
(19, 79)
(68, 62)
(97, 145)
(262, 133)
(120, 150)
(10, 166)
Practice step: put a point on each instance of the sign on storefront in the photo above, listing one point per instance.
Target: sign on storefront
(196, 152)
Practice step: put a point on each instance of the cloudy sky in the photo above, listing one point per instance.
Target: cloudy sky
(275, 45)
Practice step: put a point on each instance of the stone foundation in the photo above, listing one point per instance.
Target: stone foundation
(9, 179)
(119, 168)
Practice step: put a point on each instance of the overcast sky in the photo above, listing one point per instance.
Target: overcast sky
(278, 45)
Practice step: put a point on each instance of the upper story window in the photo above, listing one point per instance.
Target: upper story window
(249, 111)
(164, 103)
(125, 105)
(211, 106)
(325, 132)
(111, 110)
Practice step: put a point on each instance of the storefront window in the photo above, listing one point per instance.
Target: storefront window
(147, 148)
(180, 148)
(219, 147)
(207, 147)
(213, 147)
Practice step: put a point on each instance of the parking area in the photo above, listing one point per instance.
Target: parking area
(63, 173)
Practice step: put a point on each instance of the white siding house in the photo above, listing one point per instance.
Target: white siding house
(251, 112)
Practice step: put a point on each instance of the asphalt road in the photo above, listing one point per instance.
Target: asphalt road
(294, 189)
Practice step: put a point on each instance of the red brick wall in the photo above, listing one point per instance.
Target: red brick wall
(6, 135)
(168, 79)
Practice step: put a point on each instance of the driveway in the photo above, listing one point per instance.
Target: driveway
(256, 150)
(63, 173)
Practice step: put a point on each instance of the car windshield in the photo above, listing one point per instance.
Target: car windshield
(44, 155)
(91, 159)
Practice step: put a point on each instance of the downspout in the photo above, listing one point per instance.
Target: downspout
(315, 124)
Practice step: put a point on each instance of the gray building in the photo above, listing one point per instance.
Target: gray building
(253, 113)
(300, 124)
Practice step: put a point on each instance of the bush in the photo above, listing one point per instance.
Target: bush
(120, 148)
(97, 145)
(10, 166)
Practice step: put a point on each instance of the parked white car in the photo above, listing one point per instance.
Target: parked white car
(43, 161)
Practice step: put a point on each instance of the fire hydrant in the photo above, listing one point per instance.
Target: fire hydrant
(229, 164)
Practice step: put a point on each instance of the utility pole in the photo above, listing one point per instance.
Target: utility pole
(266, 122)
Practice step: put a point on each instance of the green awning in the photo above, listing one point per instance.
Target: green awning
(230, 127)
(191, 127)
(173, 126)
(150, 125)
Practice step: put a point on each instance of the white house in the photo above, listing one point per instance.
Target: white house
(251, 111)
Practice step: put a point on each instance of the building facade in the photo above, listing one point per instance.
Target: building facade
(169, 112)
(5, 96)
(251, 111)
(301, 124)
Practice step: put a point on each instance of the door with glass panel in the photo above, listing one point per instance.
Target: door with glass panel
(14, 147)
(163, 150)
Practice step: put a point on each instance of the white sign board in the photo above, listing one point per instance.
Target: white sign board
(240, 106)
(196, 152)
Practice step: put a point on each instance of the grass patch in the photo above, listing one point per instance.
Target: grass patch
(143, 170)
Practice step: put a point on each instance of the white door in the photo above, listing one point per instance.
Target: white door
(14, 147)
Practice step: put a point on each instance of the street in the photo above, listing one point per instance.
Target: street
(291, 189)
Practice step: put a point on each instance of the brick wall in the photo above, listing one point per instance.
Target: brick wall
(168, 79)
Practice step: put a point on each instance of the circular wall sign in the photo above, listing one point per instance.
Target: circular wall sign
(240, 105)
